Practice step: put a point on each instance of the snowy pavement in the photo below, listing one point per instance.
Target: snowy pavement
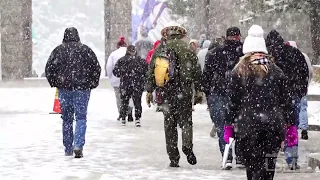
(31, 146)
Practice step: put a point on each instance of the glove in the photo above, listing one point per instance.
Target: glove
(198, 98)
(292, 136)
(228, 133)
(148, 99)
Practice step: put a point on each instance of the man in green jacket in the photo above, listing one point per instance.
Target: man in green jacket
(177, 93)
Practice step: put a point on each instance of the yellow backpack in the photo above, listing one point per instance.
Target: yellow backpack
(161, 71)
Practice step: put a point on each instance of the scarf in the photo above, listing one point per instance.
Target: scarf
(260, 60)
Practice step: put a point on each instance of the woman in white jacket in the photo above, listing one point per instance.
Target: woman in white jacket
(115, 81)
(203, 52)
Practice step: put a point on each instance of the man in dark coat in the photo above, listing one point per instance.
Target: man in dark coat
(74, 69)
(177, 93)
(132, 70)
(218, 66)
(294, 66)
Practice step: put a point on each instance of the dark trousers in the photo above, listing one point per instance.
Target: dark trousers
(125, 96)
(178, 112)
(259, 152)
(218, 110)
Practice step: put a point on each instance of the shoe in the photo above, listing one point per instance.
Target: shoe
(138, 123)
(213, 132)
(228, 166)
(123, 122)
(118, 119)
(294, 166)
(192, 159)
(78, 153)
(68, 153)
(304, 135)
(130, 118)
(174, 164)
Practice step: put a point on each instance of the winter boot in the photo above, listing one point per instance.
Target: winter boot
(304, 135)
(191, 158)
(228, 165)
(78, 153)
(174, 164)
(67, 153)
(138, 123)
(130, 118)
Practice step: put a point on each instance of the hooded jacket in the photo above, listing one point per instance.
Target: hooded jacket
(132, 71)
(203, 52)
(306, 57)
(219, 63)
(150, 53)
(292, 63)
(73, 65)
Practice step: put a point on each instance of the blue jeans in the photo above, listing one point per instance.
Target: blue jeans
(218, 106)
(74, 105)
(292, 152)
(303, 116)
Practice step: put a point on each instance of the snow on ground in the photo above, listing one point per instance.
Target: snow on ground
(314, 89)
(314, 106)
(31, 145)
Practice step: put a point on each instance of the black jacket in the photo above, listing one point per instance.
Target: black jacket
(132, 71)
(259, 103)
(73, 65)
(218, 66)
(292, 63)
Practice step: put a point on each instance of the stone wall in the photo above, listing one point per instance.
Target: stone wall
(117, 23)
(16, 40)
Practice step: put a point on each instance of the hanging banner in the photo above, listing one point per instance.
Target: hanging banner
(149, 16)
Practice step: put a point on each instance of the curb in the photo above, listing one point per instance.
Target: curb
(314, 128)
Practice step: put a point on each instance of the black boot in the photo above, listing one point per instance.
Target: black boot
(130, 118)
(304, 135)
(78, 153)
(174, 164)
(191, 158)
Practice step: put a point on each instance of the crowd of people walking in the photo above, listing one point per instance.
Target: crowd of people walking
(255, 91)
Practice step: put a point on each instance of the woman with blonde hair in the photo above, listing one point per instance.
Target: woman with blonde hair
(260, 113)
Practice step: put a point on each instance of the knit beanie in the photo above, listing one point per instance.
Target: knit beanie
(255, 42)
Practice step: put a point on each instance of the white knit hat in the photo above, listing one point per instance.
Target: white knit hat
(255, 42)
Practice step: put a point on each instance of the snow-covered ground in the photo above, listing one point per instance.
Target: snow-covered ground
(31, 145)
(314, 106)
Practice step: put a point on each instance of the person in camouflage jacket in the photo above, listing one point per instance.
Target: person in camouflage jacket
(177, 95)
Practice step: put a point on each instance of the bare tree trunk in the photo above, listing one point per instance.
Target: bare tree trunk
(206, 18)
(315, 30)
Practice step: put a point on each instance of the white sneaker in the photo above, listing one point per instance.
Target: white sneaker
(228, 166)
(123, 122)
(138, 123)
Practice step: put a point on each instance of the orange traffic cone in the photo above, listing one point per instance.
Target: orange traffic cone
(56, 104)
